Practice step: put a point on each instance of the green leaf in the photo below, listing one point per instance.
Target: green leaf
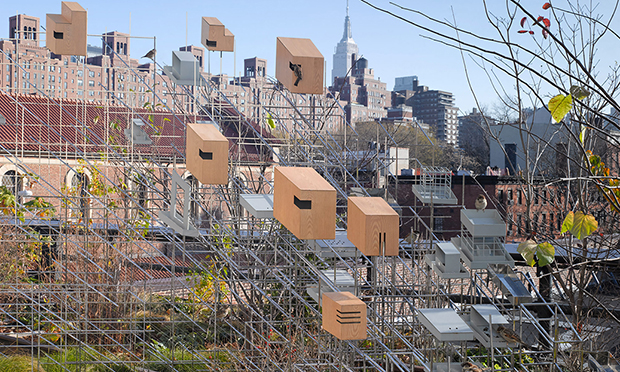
(270, 121)
(582, 134)
(595, 160)
(568, 223)
(584, 225)
(559, 106)
(545, 253)
(527, 250)
(579, 92)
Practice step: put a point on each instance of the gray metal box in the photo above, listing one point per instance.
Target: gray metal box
(445, 325)
(185, 69)
(258, 205)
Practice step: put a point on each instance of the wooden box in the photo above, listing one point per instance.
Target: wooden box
(304, 203)
(207, 154)
(299, 55)
(65, 33)
(372, 224)
(215, 36)
(344, 315)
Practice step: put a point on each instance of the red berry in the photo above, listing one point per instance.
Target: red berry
(546, 6)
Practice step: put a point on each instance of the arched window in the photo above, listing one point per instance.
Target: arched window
(80, 183)
(25, 36)
(13, 181)
(141, 191)
(143, 198)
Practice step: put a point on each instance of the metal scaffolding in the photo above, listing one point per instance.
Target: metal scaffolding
(92, 276)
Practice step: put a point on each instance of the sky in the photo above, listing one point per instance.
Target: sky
(392, 47)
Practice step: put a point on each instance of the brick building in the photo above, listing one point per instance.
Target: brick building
(506, 194)
(366, 98)
(112, 76)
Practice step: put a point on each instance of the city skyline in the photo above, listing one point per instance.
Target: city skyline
(392, 47)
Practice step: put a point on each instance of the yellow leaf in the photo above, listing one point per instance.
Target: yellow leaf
(559, 106)
(568, 222)
(584, 225)
(527, 249)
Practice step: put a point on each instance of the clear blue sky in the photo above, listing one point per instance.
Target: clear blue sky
(392, 47)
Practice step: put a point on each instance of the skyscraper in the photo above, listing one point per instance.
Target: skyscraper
(344, 50)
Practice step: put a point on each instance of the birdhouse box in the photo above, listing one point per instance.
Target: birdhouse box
(344, 315)
(136, 134)
(299, 65)
(185, 69)
(207, 154)
(215, 36)
(482, 239)
(446, 261)
(179, 222)
(65, 33)
(445, 324)
(372, 226)
(304, 203)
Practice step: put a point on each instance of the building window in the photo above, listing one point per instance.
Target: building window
(551, 223)
(14, 183)
(80, 184)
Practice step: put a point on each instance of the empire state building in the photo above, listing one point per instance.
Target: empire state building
(344, 50)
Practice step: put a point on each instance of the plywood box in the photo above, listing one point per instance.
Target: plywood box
(207, 154)
(299, 65)
(65, 33)
(372, 226)
(304, 203)
(344, 315)
(215, 36)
